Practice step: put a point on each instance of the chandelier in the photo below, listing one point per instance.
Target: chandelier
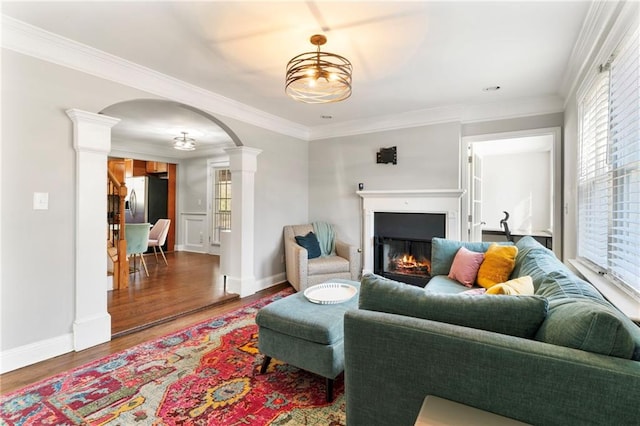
(318, 77)
(183, 143)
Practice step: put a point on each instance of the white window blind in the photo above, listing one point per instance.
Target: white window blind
(609, 168)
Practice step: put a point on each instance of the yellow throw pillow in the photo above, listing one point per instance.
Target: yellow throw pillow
(522, 285)
(498, 263)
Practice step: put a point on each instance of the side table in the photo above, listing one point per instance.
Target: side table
(437, 411)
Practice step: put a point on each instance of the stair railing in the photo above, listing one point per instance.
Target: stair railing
(116, 242)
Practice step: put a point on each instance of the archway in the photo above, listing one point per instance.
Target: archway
(92, 140)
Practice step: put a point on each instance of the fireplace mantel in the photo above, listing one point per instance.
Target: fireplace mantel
(445, 201)
(412, 193)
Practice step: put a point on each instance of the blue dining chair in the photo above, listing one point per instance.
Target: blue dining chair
(137, 237)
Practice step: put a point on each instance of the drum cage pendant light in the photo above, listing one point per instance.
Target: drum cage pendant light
(183, 143)
(318, 77)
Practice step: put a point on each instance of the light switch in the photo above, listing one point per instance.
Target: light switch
(40, 200)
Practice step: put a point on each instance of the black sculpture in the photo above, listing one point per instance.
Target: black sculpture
(505, 225)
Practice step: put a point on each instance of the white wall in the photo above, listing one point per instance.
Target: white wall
(428, 158)
(521, 185)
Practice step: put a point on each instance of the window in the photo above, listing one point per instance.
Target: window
(221, 202)
(609, 168)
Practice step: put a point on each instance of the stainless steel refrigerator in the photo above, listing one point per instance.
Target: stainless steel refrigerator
(146, 199)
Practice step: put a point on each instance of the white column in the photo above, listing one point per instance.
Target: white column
(92, 142)
(243, 166)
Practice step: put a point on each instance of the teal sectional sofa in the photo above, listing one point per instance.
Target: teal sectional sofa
(563, 356)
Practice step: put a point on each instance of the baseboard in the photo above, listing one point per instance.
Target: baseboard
(267, 282)
(32, 353)
(191, 249)
(91, 331)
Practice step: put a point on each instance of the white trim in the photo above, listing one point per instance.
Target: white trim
(412, 193)
(439, 201)
(270, 281)
(614, 294)
(33, 41)
(593, 28)
(620, 18)
(556, 179)
(92, 143)
(446, 114)
(192, 223)
(32, 353)
(215, 163)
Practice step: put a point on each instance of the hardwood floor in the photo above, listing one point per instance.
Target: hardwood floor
(190, 282)
(189, 269)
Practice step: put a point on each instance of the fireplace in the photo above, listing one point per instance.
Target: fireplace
(402, 245)
(443, 203)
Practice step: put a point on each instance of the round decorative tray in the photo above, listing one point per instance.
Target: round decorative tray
(330, 293)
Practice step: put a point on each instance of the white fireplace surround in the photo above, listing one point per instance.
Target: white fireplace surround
(441, 201)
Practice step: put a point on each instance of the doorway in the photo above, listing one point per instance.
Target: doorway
(515, 175)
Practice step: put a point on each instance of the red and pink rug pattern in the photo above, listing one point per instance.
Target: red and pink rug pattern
(204, 375)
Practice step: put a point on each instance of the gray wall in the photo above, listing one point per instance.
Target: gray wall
(37, 255)
(37, 247)
(428, 158)
(281, 192)
(296, 182)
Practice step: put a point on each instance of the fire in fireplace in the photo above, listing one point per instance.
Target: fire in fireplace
(403, 245)
(407, 264)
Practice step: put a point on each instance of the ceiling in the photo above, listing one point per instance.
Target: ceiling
(407, 56)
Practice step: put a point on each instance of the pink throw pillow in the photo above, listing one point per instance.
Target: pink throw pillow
(464, 268)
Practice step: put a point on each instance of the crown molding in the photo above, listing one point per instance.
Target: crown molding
(596, 24)
(33, 41)
(457, 113)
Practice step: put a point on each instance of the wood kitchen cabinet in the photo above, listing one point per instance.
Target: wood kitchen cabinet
(139, 168)
(156, 167)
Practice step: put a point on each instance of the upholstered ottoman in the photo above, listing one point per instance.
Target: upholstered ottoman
(306, 335)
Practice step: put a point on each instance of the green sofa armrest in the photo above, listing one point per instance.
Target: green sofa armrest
(392, 362)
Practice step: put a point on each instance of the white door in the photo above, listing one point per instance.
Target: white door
(475, 195)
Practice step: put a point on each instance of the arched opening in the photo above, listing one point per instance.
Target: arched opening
(91, 297)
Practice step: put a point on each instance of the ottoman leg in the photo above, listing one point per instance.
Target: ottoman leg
(265, 364)
(329, 390)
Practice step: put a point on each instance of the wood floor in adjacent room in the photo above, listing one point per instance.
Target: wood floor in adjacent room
(172, 298)
(189, 283)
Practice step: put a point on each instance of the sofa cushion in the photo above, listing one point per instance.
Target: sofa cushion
(520, 285)
(497, 265)
(580, 318)
(537, 261)
(443, 251)
(309, 242)
(464, 268)
(327, 265)
(519, 316)
(444, 284)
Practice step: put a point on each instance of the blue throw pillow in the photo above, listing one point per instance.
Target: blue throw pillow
(310, 242)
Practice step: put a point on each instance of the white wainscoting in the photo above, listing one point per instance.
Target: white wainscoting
(194, 232)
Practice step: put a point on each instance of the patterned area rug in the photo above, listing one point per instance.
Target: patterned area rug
(204, 375)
